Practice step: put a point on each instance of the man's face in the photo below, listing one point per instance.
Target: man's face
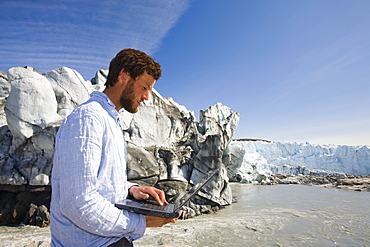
(136, 92)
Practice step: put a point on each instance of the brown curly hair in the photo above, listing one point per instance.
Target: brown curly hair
(135, 63)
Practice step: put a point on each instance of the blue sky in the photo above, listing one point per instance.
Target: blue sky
(295, 70)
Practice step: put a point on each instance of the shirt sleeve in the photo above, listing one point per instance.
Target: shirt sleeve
(79, 150)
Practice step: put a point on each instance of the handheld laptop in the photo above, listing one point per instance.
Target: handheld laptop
(170, 210)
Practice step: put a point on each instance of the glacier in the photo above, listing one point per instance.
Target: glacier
(257, 161)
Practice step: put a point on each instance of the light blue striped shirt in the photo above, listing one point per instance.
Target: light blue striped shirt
(89, 176)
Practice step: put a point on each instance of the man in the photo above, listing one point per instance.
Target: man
(89, 170)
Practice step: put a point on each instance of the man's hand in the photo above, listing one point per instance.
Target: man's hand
(147, 192)
(155, 221)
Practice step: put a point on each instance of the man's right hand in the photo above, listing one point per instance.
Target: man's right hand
(147, 192)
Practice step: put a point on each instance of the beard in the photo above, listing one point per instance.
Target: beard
(127, 100)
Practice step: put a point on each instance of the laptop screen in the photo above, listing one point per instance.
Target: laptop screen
(180, 201)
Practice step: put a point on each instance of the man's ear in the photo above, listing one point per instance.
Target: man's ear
(125, 76)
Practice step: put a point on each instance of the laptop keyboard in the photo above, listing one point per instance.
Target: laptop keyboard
(154, 205)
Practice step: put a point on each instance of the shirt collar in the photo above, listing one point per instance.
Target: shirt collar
(108, 105)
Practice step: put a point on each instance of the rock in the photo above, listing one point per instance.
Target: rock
(183, 148)
(29, 207)
(70, 89)
(355, 183)
(171, 162)
(98, 82)
(4, 85)
(31, 105)
(142, 166)
(346, 181)
(4, 92)
(173, 189)
(159, 122)
(219, 120)
(208, 158)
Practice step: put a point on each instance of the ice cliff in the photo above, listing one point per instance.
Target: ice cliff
(255, 161)
(167, 147)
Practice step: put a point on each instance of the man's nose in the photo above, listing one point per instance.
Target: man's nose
(146, 95)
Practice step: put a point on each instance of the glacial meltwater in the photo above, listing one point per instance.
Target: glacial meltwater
(279, 215)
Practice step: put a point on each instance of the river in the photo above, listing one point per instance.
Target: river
(279, 215)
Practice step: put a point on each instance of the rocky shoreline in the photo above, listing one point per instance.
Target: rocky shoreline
(32, 207)
(347, 182)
